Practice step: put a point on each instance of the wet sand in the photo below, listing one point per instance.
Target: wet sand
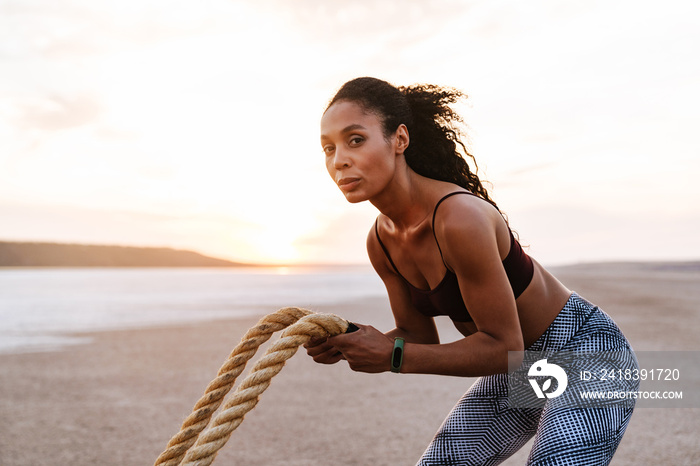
(119, 399)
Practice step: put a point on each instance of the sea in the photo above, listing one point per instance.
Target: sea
(47, 309)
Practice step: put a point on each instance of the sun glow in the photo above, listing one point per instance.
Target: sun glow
(196, 127)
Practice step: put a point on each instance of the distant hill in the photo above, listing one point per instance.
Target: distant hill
(16, 254)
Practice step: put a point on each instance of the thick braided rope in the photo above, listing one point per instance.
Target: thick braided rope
(247, 394)
(218, 388)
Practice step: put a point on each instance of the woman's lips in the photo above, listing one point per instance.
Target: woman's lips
(348, 184)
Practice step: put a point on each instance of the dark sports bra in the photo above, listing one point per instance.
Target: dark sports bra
(446, 299)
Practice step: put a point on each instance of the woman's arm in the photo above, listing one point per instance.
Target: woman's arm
(466, 231)
(411, 325)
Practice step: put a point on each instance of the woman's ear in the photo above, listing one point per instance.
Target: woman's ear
(402, 139)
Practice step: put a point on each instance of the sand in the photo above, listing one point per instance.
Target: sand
(118, 399)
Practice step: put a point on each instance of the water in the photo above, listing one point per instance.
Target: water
(44, 309)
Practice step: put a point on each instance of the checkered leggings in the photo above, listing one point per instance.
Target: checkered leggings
(484, 429)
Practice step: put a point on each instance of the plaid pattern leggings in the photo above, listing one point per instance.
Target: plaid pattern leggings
(484, 429)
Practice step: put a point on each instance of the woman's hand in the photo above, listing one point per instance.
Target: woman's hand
(366, 350)
(322, 351)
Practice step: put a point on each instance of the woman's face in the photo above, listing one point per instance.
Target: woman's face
(359, 158)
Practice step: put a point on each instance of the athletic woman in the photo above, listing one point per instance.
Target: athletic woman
(442, 247)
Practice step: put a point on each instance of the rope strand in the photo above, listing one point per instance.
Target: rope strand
(190, 448)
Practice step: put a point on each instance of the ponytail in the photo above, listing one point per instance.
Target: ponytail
(435, 150)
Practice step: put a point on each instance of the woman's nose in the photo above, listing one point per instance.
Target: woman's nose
(341, 159)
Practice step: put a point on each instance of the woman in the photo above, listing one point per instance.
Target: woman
(442, 247)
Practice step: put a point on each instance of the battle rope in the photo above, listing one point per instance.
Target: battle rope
(190, 448)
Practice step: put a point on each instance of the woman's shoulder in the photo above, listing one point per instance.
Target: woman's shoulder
(375, 247)
(464, 209)
(470, 225)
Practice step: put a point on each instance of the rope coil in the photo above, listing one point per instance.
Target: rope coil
(188, 447)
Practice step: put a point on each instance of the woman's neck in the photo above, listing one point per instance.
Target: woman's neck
(405, 201)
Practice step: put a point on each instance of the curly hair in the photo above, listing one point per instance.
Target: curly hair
(436, 150)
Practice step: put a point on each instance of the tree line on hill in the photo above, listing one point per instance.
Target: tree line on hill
(27, 254)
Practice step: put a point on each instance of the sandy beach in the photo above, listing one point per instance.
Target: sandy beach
(118, 399)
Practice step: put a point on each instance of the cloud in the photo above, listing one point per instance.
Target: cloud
(366, 20)
(341, 238)
(530, 169)
(212, 234)
(57, 112)
(74, 29)
(384, 38)
(563, 233)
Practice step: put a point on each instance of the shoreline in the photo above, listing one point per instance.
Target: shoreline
(118, 399)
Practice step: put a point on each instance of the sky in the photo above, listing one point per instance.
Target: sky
(195, 124)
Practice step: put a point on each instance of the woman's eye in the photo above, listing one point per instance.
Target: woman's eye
(355, 140)
(327, 149)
